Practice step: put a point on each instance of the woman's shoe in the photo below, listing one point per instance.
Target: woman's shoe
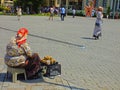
(97, 37)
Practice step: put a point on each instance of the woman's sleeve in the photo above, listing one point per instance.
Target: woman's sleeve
(27, 50)
(99, 15)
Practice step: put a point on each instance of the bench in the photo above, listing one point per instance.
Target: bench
(15, 72)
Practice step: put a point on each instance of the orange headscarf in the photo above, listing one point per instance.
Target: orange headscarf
(21, 36)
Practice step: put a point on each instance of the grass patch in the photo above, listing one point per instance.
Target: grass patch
(1, 13)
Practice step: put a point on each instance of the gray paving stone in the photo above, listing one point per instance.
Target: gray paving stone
(95, 66)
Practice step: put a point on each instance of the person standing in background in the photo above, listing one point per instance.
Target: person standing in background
(51, 13)
(62, 13)
(98, 23)
(19, 12)
(73, 12)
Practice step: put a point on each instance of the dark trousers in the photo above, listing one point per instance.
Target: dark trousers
(33, 65)
(62, 16)
(73, 15)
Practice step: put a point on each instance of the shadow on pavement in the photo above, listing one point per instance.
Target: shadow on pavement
(89, 38)
(7, 29)
(21, 78)
(66, 86)
(46, 38)
(55, 40)
(38, 80)
(56, 84)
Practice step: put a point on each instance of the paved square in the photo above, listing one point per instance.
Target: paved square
(87, 64)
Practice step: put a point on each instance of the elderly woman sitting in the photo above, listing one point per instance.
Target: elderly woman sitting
(19, 55)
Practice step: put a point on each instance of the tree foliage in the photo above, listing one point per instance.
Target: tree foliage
(34, 5)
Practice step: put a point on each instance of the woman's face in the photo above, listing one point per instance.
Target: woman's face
(18, 36)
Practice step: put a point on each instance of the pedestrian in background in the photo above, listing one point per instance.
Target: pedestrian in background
(19, 12)
(73, 12)
(51, 13)
(62, 10)
(98, 23)
(28, 10)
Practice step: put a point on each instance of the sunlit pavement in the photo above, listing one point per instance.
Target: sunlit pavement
(87, 64)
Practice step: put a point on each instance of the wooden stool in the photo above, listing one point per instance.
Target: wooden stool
(14, 72)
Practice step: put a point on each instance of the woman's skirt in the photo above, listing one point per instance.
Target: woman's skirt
(33, 65)
(97, 31)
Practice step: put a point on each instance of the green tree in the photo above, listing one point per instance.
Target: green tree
(108, 10)
(33, 5)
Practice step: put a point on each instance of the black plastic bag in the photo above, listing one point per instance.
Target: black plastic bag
(97, 24)
(53, 70)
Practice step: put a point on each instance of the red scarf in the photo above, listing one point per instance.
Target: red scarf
(22, 32)
(19, 43)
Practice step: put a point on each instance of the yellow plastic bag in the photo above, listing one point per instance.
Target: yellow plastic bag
(48, 60)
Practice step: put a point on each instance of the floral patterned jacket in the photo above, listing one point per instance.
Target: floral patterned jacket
(15, 56)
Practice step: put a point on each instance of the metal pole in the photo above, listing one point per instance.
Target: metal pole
(117, 4)
(48, 2)
(83, 4)
(87, 2)
(111, 4)
(114, 8)
(2, 2)
(59, 3)
(97, 3)
(66, 7)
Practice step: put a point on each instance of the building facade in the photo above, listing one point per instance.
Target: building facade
(6, 2)
(78, 4)
(114, 5)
